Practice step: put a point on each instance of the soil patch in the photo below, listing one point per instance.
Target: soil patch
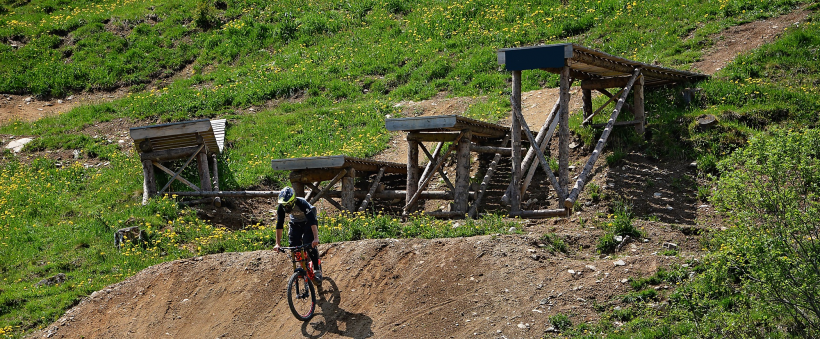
(746, 37)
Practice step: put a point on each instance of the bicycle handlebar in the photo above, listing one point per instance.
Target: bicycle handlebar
(308, 245)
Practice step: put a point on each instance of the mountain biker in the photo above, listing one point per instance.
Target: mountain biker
(303, 227)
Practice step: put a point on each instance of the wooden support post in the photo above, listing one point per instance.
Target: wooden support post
(486, 181)
(411, 203)
(412, 172)
(587, 98)
(541, 159)
(462, 186)
(372, 190)
(149, 182)
(582, 178)
(215, 170)
(541, 135)
(611, 98)
(298, 188)
(563, 134)
(515, 130)
(627, 107)
(348, 199)
(637, 102)
(177, 173)
(204, 171)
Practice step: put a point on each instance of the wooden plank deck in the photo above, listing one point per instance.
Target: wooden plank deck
(182, 134)
(447, 123)
(337, 162)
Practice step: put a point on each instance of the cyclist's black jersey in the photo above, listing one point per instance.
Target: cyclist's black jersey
(302, 214)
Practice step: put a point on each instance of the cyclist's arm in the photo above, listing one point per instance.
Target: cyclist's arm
(280, 223)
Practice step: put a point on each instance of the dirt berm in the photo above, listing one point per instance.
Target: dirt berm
(485, 287)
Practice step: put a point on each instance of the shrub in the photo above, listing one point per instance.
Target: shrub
(561, 322)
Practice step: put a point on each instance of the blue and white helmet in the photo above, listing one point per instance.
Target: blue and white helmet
(287, 196)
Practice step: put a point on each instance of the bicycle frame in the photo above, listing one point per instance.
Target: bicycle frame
(298, 254)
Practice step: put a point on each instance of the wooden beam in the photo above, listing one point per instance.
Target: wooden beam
(170, 172)
(619, 123)
(563, 137)
(233, 194)
(616, 82)
(348, 186)
(638, 100)
(626, 107)
(334, 203)
(372, 190)
(507, 151)
(542, 147)
(582, 178)
(298, 187)
(540, 213)
(421, 187)
(611, 98)
(586, 97)
(435, 137)
(327, 187)
(429, 165)
(314, 190)
(541, 158)
(169, 154)
(515, 130)
(542, 134)
(412, 172)
(440, 171)
(215, 169)
(149, 181)
(462, 186)
(473, 212)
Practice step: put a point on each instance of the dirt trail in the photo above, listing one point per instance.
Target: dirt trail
(502, 286)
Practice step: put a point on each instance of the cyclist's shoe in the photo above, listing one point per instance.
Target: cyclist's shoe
(318, 273)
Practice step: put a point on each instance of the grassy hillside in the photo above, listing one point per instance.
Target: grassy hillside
(332, 71)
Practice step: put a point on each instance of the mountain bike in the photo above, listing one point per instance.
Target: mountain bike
(301, 293)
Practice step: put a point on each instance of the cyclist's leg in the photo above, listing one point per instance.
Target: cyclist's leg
(313, 252)
(295, 234)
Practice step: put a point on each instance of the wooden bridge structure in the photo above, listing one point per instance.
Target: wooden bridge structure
(363, 180)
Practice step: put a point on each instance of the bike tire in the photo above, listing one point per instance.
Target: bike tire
(301, 296)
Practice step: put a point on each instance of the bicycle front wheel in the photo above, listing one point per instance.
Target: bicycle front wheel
(301, 296)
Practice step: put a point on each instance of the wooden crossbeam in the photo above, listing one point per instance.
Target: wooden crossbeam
(372, 190)
(176, 175)
(543, 146)
(327, 187)
(582, 178)
(486, 181)
(440, 171)
(170, 172)
(539, 154)
(611, 98)
(429, 165)
(314, 190)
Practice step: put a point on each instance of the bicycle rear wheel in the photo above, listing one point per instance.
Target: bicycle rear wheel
(301, 296)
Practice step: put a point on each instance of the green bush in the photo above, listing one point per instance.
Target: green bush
(770, 191)
(560, 321)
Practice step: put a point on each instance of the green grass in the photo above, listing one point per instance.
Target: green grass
(332, 71)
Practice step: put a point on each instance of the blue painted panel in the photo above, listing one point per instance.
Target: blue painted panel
(535, 57)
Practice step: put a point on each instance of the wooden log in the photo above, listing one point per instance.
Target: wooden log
(540, 213)
(412, 172)
(343, 173)
(586, 96)
(582, 178)
(149, 181)
(462, 186)
(444, 214)
(204, 172)
(506, 151)
(372, 190)
(541, 159)
(233, 194)
(611, 99)
(348, 200)
(176, 174)
(421, 187)
(334, 203)
(627, 107)
(317, 174)
(203, 201)
(619, 123)
(215, 169)
(435, 137)
(534, 166)
(183, 180)
(638, 110)
(597, 84)
(429, 165)
(563, 136)
(440, 171)
(515, 130)
(314, 190)
(473, 212)
(542, 135)
(169, 154)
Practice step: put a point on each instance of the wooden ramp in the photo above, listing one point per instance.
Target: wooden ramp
(200, 139)
(596, 70)
(362, 179)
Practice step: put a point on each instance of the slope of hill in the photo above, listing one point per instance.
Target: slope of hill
(313, 78)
